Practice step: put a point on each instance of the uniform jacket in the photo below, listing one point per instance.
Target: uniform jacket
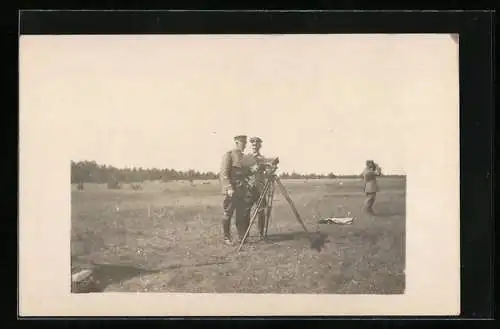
(233, 172)
(370, 179)
(259, 164)
(258, 177)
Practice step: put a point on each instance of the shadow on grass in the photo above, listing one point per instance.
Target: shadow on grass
(388, 213)
(104, 275)
(280, 237)
(178, 266)
(317, 239)
(389, 209)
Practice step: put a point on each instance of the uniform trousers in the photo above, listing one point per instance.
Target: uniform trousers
(240, 205)
(262, 215)
(370, 200)
(371, 189)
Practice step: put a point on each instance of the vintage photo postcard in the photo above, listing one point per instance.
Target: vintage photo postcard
(190, 175)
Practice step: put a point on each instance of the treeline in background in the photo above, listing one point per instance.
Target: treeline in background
(92, 172)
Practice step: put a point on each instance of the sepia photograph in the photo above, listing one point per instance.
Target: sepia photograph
(248, 164)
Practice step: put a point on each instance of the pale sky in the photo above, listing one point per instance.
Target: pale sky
(322, 103)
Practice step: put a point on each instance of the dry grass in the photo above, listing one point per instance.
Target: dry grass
(179, 248)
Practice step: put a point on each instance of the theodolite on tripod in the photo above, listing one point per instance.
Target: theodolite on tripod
(267, 194)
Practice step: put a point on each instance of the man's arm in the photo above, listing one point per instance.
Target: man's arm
(269, 161)
(225, 172)
(267, 164)
(378, 171)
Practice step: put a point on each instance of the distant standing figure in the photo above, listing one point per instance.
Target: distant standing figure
(234, 182)
(369, 175)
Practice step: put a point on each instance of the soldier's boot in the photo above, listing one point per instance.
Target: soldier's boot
(241, 233)
(226, 230)
(368, 210)
(241, 227)
(368, 206)
(243, 219)
(262, 225)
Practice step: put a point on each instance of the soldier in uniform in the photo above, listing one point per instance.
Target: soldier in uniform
(259, 167)
(235, 188)
(258, 181)
(372, 170)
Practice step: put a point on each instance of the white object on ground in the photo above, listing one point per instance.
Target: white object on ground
(337, 220)
(81, 276)
(82, 281)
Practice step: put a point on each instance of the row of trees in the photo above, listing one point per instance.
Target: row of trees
(295, 175)
(92, 172)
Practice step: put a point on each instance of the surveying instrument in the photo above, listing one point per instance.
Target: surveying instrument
(267, 194)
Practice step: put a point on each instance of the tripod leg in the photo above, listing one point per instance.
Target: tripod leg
(290, 202)
(254, 216)
(262, 217)
(269, 208)
(256, 212)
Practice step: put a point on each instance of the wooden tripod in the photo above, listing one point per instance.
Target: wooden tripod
(268, 194)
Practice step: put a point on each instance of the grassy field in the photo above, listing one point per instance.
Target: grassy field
(176, 245)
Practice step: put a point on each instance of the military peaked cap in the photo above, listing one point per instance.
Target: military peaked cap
(242, 138)
(255, 140)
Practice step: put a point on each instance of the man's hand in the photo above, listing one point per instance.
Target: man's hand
(230, 192)
(254, 168)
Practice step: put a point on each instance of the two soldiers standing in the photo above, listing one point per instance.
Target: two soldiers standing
(242, 180)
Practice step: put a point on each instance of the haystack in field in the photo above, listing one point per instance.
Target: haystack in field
(136, 186)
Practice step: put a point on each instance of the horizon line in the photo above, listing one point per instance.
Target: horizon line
(125, 167)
